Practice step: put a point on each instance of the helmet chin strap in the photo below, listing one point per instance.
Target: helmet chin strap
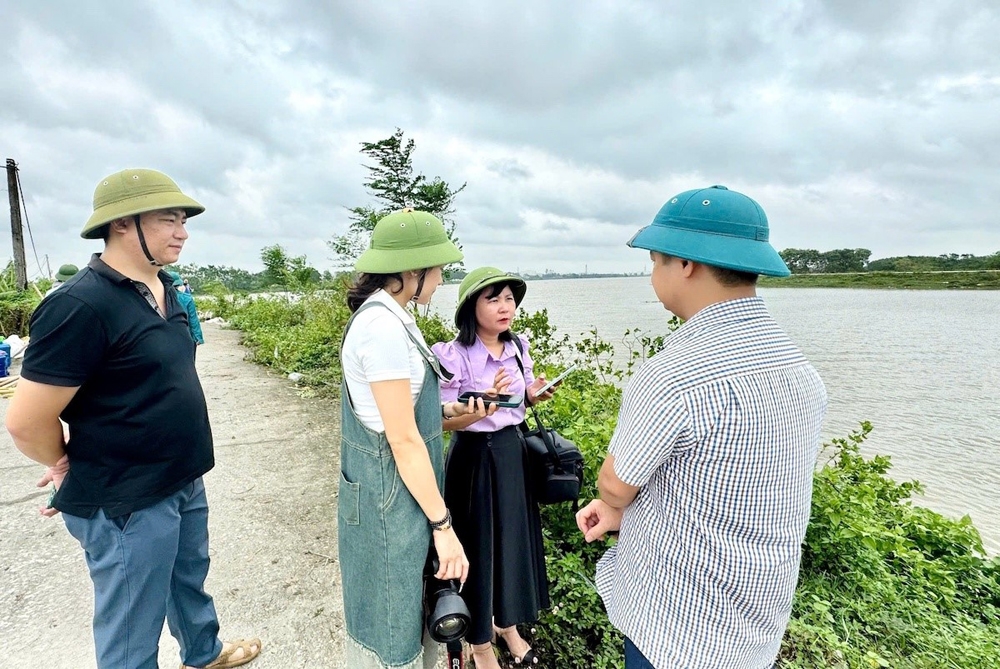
(142, 243)
(420, 285)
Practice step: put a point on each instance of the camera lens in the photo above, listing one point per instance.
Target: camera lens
(451, 627)
(448, 617)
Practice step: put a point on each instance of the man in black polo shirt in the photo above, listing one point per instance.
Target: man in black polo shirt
(111, 354)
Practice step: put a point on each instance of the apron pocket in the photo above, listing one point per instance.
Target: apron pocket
(349, 501)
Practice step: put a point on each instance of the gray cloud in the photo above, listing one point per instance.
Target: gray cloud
(853, 123)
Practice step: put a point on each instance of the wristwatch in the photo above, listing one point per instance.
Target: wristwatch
(443, 524)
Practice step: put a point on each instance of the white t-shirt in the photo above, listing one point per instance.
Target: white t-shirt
(377, 349)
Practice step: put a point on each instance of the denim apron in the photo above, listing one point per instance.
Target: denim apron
(383, 534)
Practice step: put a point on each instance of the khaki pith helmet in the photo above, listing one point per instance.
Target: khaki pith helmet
(135, 191)
(407, 240)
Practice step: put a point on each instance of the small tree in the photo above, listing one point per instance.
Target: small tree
(287, 272)
(394, 186)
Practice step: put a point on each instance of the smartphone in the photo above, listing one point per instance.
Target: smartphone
(507, 401)
(556, 381)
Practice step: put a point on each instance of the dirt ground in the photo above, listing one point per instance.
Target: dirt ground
(272, 524)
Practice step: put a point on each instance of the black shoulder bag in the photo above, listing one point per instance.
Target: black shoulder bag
(555, 464)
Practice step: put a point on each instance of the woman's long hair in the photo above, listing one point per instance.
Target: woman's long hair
(466, 318)
(366, 285)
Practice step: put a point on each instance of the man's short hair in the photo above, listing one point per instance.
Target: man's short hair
(732, 278)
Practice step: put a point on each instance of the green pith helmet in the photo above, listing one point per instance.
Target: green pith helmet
(482, 277)
(407, 240)
(135, 191)
(66, 272)
(178, 281)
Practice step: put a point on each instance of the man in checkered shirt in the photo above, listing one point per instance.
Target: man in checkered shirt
(709, 472)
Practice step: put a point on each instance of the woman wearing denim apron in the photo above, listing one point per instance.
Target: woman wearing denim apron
(496, 517)
(390, 507)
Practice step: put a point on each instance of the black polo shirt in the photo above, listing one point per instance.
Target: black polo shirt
(139, 426)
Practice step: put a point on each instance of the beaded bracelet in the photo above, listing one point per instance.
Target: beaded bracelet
(443, 524)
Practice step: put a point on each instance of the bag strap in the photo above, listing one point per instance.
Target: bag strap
(542, 430)
(425, 352)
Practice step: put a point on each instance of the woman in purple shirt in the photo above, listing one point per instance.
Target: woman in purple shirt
(493, 512)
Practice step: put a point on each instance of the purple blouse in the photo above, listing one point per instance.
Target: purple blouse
(475, 368)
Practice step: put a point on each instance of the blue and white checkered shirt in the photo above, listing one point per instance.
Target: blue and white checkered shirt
(720, 430)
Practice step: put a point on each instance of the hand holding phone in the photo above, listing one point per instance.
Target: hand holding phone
(502, 400)
(556, 381)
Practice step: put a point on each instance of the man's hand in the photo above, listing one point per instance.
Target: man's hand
(597, 519)
(54, 475)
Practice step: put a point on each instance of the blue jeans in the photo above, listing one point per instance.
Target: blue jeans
(145, 566)
(634, 659)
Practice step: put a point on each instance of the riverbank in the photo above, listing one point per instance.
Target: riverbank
(272, 523)
(946, 280)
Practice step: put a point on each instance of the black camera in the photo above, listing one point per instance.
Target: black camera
(448, 617)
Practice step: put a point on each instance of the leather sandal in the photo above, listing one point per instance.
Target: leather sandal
(251, 649)
(530, 658)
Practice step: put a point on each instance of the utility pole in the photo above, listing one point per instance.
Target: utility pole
(16, 233)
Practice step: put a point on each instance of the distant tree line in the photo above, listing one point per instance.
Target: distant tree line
(943, 262)
(281, 272)
(811, 261)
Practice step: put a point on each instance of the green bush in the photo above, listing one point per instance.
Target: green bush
(302, 332)
(884, 583)
(295, 334)
(16, 306)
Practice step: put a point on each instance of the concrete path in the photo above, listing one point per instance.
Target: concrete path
(272, 523)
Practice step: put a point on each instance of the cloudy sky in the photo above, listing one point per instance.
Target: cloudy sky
(853, 123)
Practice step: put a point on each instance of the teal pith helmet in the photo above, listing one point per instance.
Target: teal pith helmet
(135, 191)
(178, 281)
(714, 226)
(66, 272)
(482, 277)
(407, 240)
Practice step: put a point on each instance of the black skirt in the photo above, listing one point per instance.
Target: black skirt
(497, 521)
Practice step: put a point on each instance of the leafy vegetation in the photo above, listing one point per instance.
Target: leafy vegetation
(801, 261)
(281, 272)
(284, 271)
(884, 582)
(394, 186)
(946, 262)
(16, 306)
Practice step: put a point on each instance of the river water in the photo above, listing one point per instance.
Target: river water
(922, 366)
